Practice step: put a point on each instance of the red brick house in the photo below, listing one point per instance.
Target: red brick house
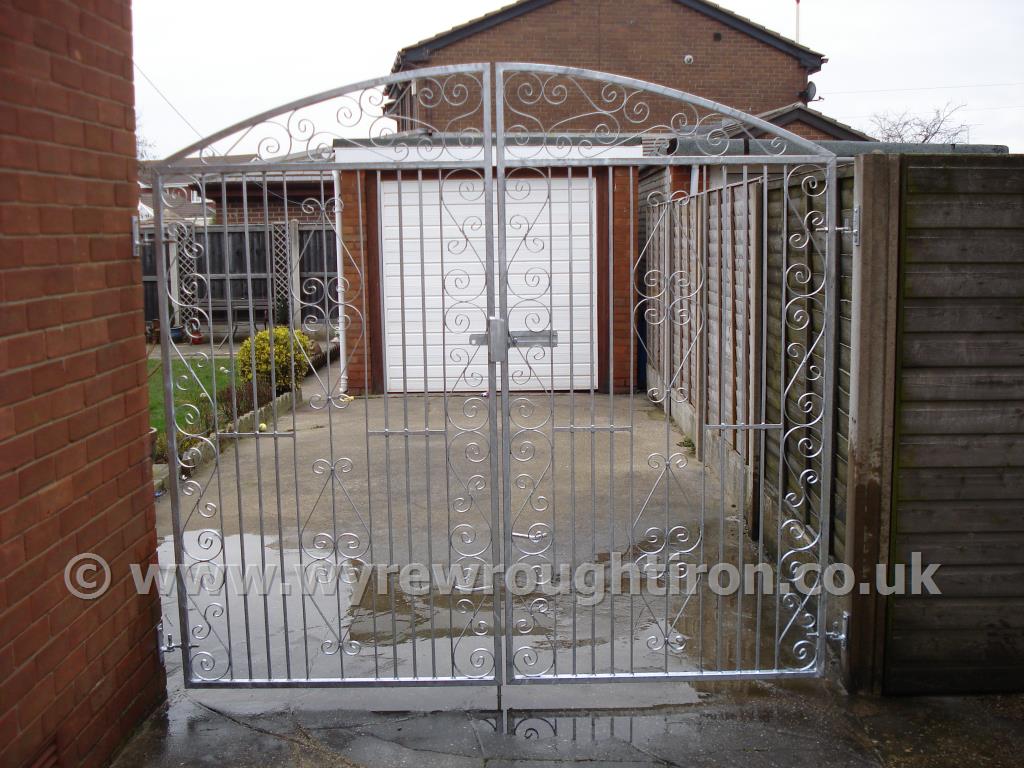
(692, 45)
(76, 675)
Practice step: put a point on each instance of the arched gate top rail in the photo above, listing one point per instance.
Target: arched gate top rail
(536, 113)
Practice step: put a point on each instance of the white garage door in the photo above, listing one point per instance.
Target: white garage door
(434, 228)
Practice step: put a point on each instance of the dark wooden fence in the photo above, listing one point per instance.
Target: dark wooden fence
(940, 322)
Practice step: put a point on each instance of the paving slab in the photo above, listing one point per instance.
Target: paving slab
(789, 724)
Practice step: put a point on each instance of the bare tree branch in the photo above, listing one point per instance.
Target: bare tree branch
(937, 128)
(145, 149)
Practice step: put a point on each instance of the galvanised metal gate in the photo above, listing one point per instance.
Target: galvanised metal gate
(558, 322)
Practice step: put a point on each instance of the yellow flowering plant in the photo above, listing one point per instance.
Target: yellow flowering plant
(283, 348)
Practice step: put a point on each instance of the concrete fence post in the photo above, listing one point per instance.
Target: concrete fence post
(872, 406)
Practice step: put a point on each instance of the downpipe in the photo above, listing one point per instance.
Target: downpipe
(343, 333)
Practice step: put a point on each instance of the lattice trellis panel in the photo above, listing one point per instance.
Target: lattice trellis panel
(281, 266)
(188, 262)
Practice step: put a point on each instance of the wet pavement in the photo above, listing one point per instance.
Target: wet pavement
(291, 497)
(322, 489)
(791, 724)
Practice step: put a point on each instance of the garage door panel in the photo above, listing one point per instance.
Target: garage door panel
(434, 282)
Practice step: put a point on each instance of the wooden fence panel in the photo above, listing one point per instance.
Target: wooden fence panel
(958, 475)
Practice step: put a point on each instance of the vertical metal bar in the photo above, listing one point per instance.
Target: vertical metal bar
(724, 294)
(361, 213)
(501, 538)
(704, 244)
(447, 419)
(292, 299)
(743, 378)
(426, 421)
(405, 410)
(734, 375)
(216, 419)
(695, 217)
(631, 287)
(163, 302)
(669, 289)
(271, 309)
(591, 289)
(720, 334)
(339, 249)
(611, 401)
(551, 411)
(781, 489)
(407, 466)
(387, 437)
(830, 320)
(234, 418)
(256, 407)
(719, 611)
(763, 411)
(326, 298)
(572, 428)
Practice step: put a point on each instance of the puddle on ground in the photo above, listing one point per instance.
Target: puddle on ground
(297, 628)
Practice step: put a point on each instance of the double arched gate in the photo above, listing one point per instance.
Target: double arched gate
(563, 326)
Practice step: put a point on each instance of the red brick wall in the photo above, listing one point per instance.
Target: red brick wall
(75, 676)
(800, 128)
(258, 213)
(645, 39)
(616, 317)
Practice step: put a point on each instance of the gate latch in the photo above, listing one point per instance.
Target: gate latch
(495, 339)
(533, 339)
(498, 339)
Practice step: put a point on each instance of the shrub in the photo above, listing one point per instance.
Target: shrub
(160, 448)
(282, 359)
(240, 400)
(281, 311)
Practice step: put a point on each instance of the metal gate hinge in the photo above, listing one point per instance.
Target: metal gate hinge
(164, 642)
(851, 226)
(855, 226)
(136, 237)
(839, 633)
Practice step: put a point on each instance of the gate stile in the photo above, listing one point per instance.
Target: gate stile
(473, 220)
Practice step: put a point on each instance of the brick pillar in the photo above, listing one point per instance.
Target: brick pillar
(76, 676)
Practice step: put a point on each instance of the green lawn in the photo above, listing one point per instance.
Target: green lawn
(204, 374)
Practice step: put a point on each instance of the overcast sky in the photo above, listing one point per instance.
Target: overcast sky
(218, 61)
